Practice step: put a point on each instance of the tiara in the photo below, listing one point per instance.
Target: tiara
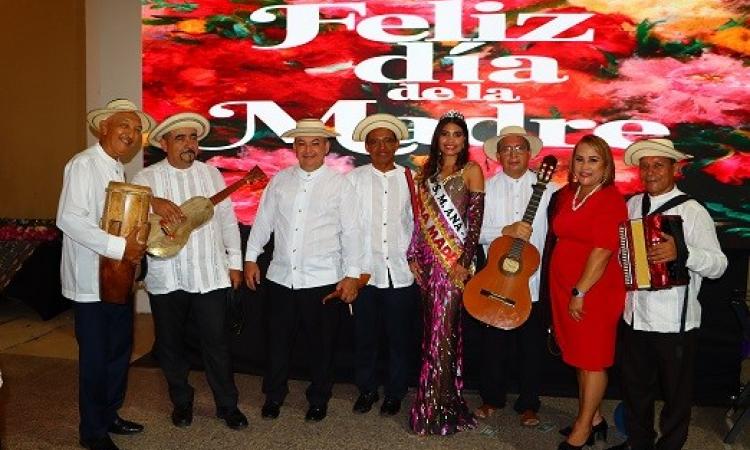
(452, 114)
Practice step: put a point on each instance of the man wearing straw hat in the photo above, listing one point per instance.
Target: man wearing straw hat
(390, 295)
(193, 284)
(508, 194)
(660, 330)
(104, 331)
(312, 212)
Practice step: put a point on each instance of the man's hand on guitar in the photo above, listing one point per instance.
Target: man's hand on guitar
(235, 277)
(349, 288)
(252, 274)
(134, 248)
(664, 251)
(519, 230)
(167, 210)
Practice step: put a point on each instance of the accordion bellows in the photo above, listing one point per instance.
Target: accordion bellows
(636, 237)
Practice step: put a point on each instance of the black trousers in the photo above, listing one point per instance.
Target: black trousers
(652, 362)
(171, 313)
(292, 310)
(393, 309)
(497, 349)
(105, 341)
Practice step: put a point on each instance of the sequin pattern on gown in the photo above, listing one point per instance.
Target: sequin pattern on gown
(439, 407)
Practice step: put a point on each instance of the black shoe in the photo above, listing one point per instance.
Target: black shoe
(316, 413)
(390, 407)
(233, 418)
(122, 426)
(598, 432)
(103, 443)
(365, 401)
(270, 410)
(182, 416)
(565, 446)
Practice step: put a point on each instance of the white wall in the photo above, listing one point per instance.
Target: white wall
(113, 68)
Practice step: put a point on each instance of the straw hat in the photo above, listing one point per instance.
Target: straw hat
(310, 128)
(490, 145)
(652, 147)
(181, 120)
(380, 120)
(95, 116)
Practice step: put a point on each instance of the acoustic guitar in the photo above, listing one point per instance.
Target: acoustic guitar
(166, 240)
(499, 295)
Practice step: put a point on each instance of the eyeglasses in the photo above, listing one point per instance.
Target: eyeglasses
(515, 149)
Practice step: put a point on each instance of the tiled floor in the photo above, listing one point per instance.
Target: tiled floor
(22, 332)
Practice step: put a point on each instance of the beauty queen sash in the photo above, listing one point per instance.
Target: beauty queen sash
(441, 224)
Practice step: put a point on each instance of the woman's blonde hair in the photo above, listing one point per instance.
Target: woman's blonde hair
(603, 150)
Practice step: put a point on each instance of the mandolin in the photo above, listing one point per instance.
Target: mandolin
(499, 294)
(166, 240)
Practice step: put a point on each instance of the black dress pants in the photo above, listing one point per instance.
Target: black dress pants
(394, 309)
(104, 333)
(653, 362)
(171, 313)
(290, 311)
(497, 349)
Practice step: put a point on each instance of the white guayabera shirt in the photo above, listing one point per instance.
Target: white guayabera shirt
(79, 212)
(213, 248)
(317, 232)
(661, 310)
(505, 202)
(387, 221)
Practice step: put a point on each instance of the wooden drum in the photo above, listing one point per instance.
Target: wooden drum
(126, 208)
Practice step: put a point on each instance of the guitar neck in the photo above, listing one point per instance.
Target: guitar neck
(528, 217)
(253, 175)
(533, 205)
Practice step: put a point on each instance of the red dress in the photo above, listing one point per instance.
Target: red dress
(590, 343)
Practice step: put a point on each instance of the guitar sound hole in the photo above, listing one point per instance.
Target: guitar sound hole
(510, 265)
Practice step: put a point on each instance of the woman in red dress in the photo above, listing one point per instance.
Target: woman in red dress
(586, 282)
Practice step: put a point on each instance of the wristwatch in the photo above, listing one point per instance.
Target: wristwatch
(576, 293)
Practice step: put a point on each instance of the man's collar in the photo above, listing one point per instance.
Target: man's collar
(106, 156)
(665, 196)
(391, 173)
(305, 175)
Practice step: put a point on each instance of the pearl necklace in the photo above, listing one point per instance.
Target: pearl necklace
(586, 197)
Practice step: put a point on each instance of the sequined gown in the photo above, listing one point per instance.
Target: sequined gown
(439, 407)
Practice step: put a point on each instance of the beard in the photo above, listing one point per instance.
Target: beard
(188, 156)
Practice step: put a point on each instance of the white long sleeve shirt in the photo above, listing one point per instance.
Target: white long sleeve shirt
(387, 221)
(661, 310)
(317, 232)
(79, 212)
(505, 203)
(212, 249)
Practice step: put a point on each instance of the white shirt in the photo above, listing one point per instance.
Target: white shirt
(661, 310)
(387, 221)
(317, 232)
(79, 212)
(212, 249)
(505, 203)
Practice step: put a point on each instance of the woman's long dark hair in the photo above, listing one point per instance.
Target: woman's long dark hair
(434, 161)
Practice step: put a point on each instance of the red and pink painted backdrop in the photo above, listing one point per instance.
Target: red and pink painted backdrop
(622, 69)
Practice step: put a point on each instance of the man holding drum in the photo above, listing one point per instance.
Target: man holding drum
(104, 331)
(193, 283)
(659, 335)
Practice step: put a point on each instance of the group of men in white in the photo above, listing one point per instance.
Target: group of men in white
(329, 229)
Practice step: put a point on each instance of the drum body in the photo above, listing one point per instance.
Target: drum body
(126, 208)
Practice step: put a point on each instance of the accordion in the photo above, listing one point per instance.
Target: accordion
(636, 237)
